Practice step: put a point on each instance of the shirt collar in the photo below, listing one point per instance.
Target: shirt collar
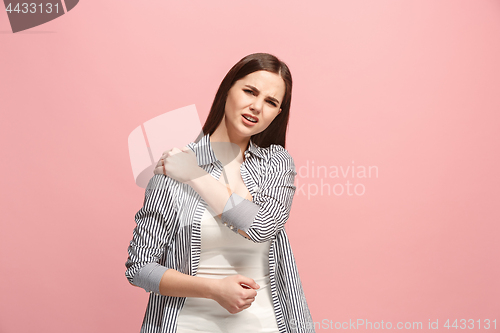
(205, 154)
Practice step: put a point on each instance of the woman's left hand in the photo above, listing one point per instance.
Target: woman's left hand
(179, 164)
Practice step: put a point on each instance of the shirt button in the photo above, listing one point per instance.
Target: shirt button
(256, 189)
(225, 223)
(231, 227)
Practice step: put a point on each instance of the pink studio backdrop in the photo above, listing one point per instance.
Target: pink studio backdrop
(408, 88)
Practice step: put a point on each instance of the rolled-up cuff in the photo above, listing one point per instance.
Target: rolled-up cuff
(149, 277)
(239, 213)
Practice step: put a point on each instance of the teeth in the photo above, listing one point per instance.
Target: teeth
(250, 119)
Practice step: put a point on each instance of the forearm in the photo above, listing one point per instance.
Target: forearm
(177, 284)
(237, 211)
(212, 191)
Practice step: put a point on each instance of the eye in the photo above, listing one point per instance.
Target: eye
(248, 91)
(272, 103)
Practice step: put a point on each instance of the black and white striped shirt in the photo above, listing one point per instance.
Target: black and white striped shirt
(168, 235)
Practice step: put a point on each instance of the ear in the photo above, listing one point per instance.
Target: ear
(279, 111)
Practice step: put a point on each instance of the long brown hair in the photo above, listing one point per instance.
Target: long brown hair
(275, 133)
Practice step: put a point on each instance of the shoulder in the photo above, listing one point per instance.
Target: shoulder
(162, 182)
(162, 194)
(273, 151)
(160, 186)
(276, 155)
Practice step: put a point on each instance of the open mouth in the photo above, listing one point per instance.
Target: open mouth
(250, 118)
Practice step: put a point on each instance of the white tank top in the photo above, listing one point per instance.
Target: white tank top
(225, 253)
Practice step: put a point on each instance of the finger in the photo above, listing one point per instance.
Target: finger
(245, 307)
(251, 293)
(161, 161)
(186, 149)
(175, 150)
(249, 282)
(158, 170)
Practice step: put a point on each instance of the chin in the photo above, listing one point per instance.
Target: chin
(246, 134)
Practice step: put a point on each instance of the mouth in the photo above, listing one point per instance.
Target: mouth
(250, 118)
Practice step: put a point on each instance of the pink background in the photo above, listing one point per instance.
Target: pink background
(411, 87)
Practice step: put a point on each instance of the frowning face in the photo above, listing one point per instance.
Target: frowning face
(252, 103)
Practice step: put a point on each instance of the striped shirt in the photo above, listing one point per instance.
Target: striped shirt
(168, 234)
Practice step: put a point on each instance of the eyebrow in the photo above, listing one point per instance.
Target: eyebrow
(253, 88)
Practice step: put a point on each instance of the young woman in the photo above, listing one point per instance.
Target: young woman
(210, 244)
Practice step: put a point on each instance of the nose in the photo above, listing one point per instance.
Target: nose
(256, 106)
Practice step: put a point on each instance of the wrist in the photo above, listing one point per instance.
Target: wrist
(212, 288)
(197, 177)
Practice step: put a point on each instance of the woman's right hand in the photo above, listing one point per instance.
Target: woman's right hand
(230, 293)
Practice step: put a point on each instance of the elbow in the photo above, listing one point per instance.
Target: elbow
(266, 227)
(130, 276)
(132, 270)
(148, 277)
(261, 235)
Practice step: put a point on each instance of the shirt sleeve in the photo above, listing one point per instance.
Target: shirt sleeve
(154, 225)
(262, 219)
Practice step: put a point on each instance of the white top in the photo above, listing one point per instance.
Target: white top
(225, 253)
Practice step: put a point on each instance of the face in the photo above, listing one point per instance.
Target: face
(257, 96)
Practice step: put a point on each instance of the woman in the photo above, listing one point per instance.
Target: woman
(210, 244)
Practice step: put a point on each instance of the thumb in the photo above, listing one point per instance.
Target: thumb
(249, 282)
(175, 150)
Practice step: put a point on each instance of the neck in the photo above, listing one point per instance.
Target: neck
(225, 151)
